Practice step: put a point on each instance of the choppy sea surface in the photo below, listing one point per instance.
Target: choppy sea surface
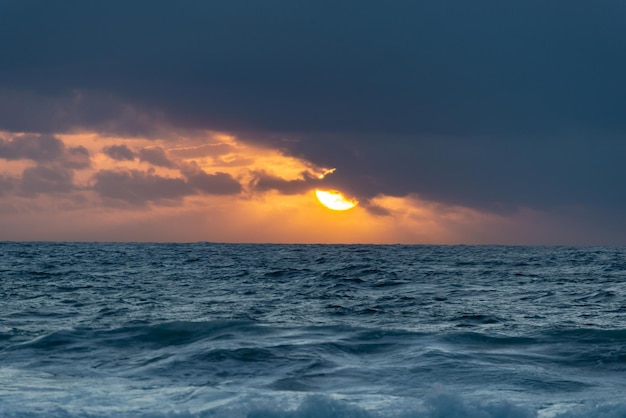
(293, 331)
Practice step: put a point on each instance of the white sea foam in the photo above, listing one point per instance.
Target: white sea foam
(105, 399)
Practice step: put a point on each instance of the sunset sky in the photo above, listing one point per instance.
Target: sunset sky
(474, 122)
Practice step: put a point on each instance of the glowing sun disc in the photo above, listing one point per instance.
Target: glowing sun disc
(334, 200)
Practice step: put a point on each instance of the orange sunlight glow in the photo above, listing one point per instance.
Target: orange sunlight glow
(81, 213)
(334, 200)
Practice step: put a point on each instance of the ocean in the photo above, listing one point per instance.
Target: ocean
(295, 331)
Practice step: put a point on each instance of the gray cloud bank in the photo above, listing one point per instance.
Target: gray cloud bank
(54, 169)
(44, 149)
(55, 165)
(489, 104)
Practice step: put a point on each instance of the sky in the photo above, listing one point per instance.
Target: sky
(449, 121)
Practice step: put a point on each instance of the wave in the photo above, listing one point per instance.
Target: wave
(437, 405)
(217, 368)
(189, 345)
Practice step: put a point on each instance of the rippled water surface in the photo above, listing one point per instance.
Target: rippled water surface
(311, 330)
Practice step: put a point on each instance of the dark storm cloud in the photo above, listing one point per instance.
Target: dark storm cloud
(490, 104)
(483, 172)
(418, 67)
(26, 107)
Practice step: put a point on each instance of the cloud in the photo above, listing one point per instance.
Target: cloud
(119, 152)
(46, 179)
(44, 149)
(139, 188)
(155, 156)
(216, 184)
(39, 148)
(77, 157)
(263, 181)
(442, 68)
(47, 107)
(486, 173)
(438, 82)
(203, 150)
(496, 106)
(54, 169)
(7, 184)
(152, 155)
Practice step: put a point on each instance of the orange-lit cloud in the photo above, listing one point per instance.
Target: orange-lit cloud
(210, 187)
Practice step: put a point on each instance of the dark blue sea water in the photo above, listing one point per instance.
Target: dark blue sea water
(293, 331)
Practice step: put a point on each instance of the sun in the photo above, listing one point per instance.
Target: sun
(334, 200)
